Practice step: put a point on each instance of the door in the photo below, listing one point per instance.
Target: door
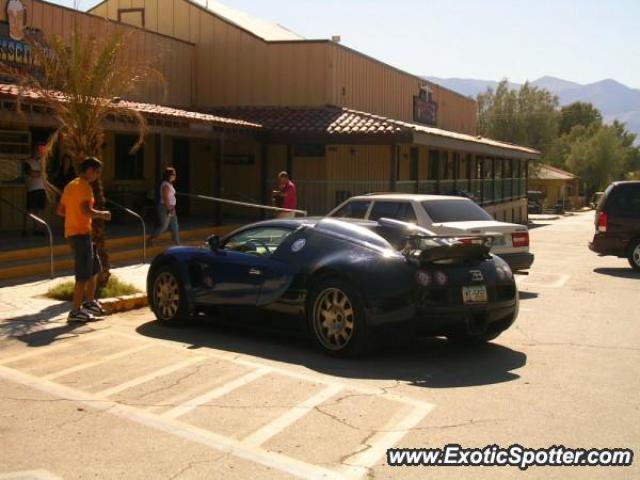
(182, 164)
(242, 268)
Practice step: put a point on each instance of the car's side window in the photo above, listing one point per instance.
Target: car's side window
(353, 209)
(402, 211)
(257, 241)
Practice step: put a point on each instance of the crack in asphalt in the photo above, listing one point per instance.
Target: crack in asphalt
(190, 465)
(176, 383)
(72, 421)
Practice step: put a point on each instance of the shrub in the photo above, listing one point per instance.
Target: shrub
(114, 288)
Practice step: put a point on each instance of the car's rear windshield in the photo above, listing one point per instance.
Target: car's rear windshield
(454, 210)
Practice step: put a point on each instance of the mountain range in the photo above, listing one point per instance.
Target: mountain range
(614, 100)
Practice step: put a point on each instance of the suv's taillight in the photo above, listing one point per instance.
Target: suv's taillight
(602, 222)
(520, 239)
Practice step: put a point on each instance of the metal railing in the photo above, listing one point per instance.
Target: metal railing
(241, 204)
(321, 196)
(144, 227)
(39, 220)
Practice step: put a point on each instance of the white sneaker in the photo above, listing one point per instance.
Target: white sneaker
(80, 316)
(94, 308)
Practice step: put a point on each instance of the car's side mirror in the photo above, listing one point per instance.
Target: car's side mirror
(214, 242)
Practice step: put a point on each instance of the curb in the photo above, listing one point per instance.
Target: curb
(124, 303)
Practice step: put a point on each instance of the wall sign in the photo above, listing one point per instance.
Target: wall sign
(15, 36)
(17, 17)
(425, 109)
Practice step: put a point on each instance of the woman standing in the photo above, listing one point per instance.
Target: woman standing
(167, 208)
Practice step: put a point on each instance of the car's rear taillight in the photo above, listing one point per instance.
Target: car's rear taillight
(602, 222)
(520, 239)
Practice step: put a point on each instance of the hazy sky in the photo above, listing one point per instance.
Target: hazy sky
(578, 40)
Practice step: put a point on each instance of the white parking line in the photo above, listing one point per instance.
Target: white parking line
(227, 445)
(189, 405)
(396, 428)
(297, 412)
(151, 376)
(48, 349)
(82, 366)
(299, 375)
(29, 475)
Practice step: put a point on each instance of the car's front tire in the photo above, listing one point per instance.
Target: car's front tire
(336, 319)
(634, 255)
(167, 296)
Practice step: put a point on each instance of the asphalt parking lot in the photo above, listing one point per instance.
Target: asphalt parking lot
(128, 398)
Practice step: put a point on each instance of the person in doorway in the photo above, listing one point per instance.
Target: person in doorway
(167, 208)
(66, 173)
(36, 196)
(285, 196)
(76, 206)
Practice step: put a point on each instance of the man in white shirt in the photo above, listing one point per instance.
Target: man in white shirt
(36, 196)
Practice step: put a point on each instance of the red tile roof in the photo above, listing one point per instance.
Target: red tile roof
(148, 109)
(345, 121)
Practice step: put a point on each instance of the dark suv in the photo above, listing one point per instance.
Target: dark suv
(618, 223)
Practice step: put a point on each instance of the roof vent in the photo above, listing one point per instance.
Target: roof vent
(336, 38)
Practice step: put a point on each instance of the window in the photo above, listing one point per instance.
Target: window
(434, 165)
(624, 201)
(128, 167)
(454, 210)
(402, 211)
(353, 209)
(258, 241)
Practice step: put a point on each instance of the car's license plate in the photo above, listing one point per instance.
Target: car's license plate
(498, 241)
(475, 294)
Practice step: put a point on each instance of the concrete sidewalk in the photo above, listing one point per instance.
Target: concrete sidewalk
(25, 309)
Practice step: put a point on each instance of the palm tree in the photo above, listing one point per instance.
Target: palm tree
(81, 82)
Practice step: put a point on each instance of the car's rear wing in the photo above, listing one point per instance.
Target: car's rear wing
(425, 246)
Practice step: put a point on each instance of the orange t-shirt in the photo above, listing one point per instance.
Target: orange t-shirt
(76, 221)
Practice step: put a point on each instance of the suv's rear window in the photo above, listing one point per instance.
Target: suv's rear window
(624, 200)
(454, 210)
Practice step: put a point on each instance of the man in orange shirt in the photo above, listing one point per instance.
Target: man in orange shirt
(76, 206)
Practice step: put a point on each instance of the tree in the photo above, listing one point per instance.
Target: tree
(81, 82)
(598, 156)
(578, 113)
(527, 116)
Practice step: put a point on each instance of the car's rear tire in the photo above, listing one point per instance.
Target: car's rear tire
(336, 319)
(167, 297)
(634, 255)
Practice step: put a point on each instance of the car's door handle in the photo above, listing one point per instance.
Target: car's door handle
(255, 271)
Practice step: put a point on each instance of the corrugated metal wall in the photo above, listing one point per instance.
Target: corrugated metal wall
(365, 84)
(174, 59)
(234, 67)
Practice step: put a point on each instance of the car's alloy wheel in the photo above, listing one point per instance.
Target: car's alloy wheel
(634, 255)
(166, 295)
(333, 319)
(336, 319)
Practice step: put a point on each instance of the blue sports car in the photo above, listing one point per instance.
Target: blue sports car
(347, 281)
